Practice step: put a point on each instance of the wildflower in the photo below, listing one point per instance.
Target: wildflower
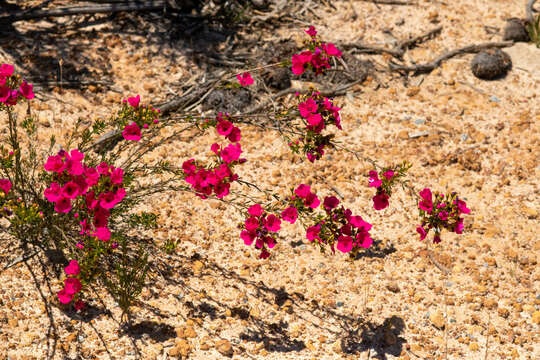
(132, 132)
(311, 31)
(380, 201)
(5, 185)
(245, 79)
(73, 268)
(290, 214)
(72, 285)
(272, 223)
(134, 101)
(26, 90)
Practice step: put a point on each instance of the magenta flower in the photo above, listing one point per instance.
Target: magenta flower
(255, 210)
(134, 101)
(331, 50)
(374, 180)
(64, 297)
(231, 153)
(436, 239)
(364, 240)
(26, 90)
(245, 79)
(120, 194)
(422, 232)
(117, 176)
(248, 237)
(303, 191)
(290, 214)
(380, 201)
(312, 232)
(299, 60)
(359, 223)
(72, 285)
(132, 132)
(6, 70)
(101, 217)
(222, 171)
(235, 135)
(73, 268)
(307, 107)
(252, 224)
(389, 174)
(222, 189)
(5, 185)
(426, 203)
(312, 201)
(103, 233)
(5, 93)
(62, 205)
(272, 223)
(311, 31)
(344, 243)
(264, 254)
(443, 215)
(108, 200)
(224, 127)
(53, 192)
(330, 202)
(458, 228)
(54, 163)
(462, 207)
(70, 190)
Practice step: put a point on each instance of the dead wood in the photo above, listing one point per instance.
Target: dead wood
(529, 10)
(430, 66)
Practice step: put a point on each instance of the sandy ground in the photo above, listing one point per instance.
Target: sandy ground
(218, 299)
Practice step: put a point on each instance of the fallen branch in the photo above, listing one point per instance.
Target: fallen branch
(529, 10)
(84, 10)
(391, 2)
(430, 66)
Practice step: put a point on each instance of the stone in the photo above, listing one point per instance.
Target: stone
(393, 287)
(197, 266)
(224, 347)
(474, 346)
(182, 348)
(536, 317)
(490, 64)
(437, 319)
(503, 312)
(189, 332)
(515, 30)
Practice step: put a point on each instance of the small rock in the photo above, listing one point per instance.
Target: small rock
(393, 287)
(503, 312)
(530, 212)
(197, 266)
(182, 348)
(420, 121)
(494, 99)
(224, 347)
(490, 64)
(515, 30)
(474, 346)
(536, 317)
(437, 319)
(413, 91)
(189, 332)
(418, 134)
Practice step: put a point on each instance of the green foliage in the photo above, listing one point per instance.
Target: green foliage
(534, 31)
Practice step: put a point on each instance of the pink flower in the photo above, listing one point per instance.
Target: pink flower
(330, 202)
(364, 240)
(443, 215)
(245, 79)
(255, 210)
(311, 31)
(290, 214)
(380, 201)
(134, 101)
(316, 121)
(79, 305)
(6, 70)
(312, 232)
(72, 285)
(248, 237)
(359, 223)
(62, 205)
(462, 207)
(26, 90)
(132, 132)
(120, 194)
(374, 180)
(224, 127)
(5, 93)
(55, 163)
(299, 60)
(108, 200)
(312, 201)
(303, 191)
(222, 189)
(344, 243)
(64, 297)
(73, 268)
(458, 228)
(117, 176)
(70, 190)
(436, 239)
(389, 174)
(235, 135)
(103, 169)
(264, 254)
(101, 217)
(426, 204)
(231, 153)
(74, 167)
(103, 233)
(189, 167)
(420, 230)
(53, 192)
(272, 223)
(222, 171)
(307, 107)
(331, 50)
(5, 185)
(252, 224)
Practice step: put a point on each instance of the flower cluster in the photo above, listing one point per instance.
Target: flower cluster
(133, 116)
(384, 184)
(340, 228)
(438, 211)
(244, 79)
(316, 112)
(218, 178)
(72, 286)
(12, 88)
(93, 191)
(261, 227)
(317, 58)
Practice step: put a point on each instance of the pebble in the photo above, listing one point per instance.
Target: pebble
(490, 64)
(474, 346)
(536, 317)
(494, 99)
(437, 319)
(418, 134)
(224, 347)
(420, 121)
(515, 30)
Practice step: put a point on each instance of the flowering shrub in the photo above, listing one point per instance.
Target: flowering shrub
(83, 201)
